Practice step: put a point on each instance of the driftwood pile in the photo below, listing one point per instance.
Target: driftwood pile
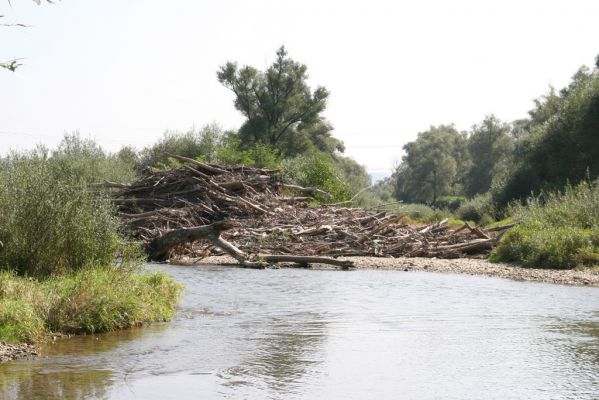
(201, 209)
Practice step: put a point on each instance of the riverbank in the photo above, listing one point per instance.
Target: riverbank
(93, 300)
(470, 266)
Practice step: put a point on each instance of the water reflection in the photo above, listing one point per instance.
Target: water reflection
(70, 369)
(580, 340)
(324, 335)
(285, 354)
(68, 385)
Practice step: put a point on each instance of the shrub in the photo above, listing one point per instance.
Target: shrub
(49, 224)
(78, 161)
(259, 155)
(559, 230)
(452, 203)
(478, 209)
(317, 171)
(203, 144)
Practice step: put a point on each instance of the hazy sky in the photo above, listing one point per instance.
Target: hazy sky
(123, 72)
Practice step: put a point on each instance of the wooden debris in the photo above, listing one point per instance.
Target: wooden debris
(251, 214)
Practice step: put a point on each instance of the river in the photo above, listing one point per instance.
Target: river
(310, 334)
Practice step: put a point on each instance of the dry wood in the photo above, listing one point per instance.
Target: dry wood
(180, 211)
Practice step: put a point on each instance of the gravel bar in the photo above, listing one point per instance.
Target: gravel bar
(470, 266)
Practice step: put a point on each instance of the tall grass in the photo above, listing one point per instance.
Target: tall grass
(91, 300)
(558, 230)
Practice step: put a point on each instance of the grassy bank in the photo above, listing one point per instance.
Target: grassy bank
(91, 300)
(58, 244)
(559, 230)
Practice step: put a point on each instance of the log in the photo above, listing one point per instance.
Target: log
(160, 248)
(274, 258)
(501, 228)
(305, 189)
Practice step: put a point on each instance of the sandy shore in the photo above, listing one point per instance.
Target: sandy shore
(580, 277)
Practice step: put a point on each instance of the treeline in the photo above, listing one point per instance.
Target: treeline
(496, 163)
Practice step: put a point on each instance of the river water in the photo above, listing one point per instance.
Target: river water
(366, 334)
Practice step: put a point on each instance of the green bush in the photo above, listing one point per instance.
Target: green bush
(48, 223)
(52, 228)
(451, 203)
(258, 155)
(317, 171)
(201, 144)
(478, 209)
(424, 213)
(80, 161)
(559, 230)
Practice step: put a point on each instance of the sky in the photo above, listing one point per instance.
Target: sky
(123, 72)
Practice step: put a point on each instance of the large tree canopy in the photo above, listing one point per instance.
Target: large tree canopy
(281, 109)
(431, 165)
(562, 146)
(491, 148)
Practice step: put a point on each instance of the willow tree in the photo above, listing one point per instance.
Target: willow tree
(282, 110)
(491, 149)
(432, 165)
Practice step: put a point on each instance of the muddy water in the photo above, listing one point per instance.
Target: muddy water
(296, 334)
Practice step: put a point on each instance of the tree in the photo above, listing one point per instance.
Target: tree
(491, 147)
(562, 147)
(281, 109)
(431, 165)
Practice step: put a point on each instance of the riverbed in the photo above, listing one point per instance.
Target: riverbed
(327, 334)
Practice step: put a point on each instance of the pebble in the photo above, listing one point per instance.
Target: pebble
(471, 266)
(10, 352)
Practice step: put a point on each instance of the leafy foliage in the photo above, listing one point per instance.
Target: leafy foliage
(557, 230)
(561, 143)
(281, 109)
(381, 192)
(479, 209)
(317, 171)
(490, 147)
(204, 144)
(83, 161)
(49, 221)
(431, 165)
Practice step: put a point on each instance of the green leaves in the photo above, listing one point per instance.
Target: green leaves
(559, 142)
(281, 109)
(431, 165)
